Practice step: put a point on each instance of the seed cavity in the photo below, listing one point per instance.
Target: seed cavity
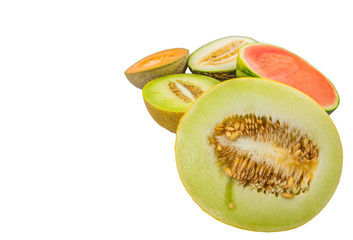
(266, 155)
(224, 54)
(185, 91)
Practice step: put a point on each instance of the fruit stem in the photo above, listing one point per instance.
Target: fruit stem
(229, 195)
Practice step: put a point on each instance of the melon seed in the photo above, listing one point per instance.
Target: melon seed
(287, 195)
(229, 128)
(290, 182)
(296, 147)
(236, 125)
(234, 136)
(242, 126)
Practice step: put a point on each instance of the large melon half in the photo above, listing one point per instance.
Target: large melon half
(272, 62)
(247, 181)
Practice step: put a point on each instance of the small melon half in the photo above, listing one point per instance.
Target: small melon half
(272, 62)
(218, 58)
(287, 160)
(167, 98)
(170, 61)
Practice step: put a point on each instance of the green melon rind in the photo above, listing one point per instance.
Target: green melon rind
(331, 108)
(206, 182)
(219, 75)
(140, 79)
(244, 70)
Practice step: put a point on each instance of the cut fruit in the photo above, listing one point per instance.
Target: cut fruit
(258, 155)
(217, 59)
(167, 98)
(272, 62)
(171, 61)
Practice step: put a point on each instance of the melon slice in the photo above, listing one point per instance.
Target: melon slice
(272, 62)
(217, 59)
(170, 61)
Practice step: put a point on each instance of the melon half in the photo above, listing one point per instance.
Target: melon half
(159, 64)
(258, 155)
(272, 62)
(218, 58)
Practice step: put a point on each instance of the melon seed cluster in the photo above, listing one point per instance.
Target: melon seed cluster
(224, 54)
(176, 86)
(286, 164)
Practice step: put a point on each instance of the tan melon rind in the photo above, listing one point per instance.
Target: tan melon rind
(140, 79)
(166, 119)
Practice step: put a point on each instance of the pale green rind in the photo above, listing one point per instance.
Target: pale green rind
(244, 70)
(140, 79)
(331, 108)
(206, 182)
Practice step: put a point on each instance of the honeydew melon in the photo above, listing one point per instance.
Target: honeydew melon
(218, 58)
(167, 98)
(287, 155)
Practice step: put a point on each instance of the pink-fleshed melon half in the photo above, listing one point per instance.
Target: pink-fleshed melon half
(275, 63)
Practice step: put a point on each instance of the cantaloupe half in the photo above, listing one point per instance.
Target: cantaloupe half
(258, 154)
(272, 62)
(170, 61)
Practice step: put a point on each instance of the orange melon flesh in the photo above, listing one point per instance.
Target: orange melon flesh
(278, 64)
(158, 59)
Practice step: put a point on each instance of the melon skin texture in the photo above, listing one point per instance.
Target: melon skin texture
(141, 78)
(224, 72)
(221, 76)
(206, 181)
(307, 86)
(166, 108)
(166, 119)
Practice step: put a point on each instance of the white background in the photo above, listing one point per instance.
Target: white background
(81, 158)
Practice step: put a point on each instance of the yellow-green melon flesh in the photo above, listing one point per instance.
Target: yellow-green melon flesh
(164, 106)
(206, 181)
